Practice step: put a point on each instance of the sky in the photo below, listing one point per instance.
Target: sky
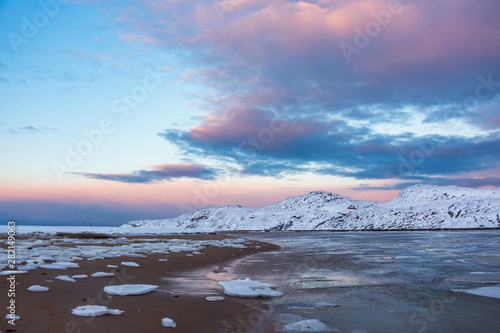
(113, 111)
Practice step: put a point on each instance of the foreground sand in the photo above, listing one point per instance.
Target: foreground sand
(184, 303)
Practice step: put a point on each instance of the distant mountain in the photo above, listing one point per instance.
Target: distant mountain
(417, 207)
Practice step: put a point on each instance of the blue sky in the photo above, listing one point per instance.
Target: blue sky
(117, 110)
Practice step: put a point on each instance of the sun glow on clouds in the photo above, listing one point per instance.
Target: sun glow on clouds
(273, 100)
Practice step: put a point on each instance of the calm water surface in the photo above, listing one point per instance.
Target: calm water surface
(378, 281)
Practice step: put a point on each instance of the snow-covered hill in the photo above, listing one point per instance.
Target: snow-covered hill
(417, 207)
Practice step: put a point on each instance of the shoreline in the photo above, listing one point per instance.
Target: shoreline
(51, 311)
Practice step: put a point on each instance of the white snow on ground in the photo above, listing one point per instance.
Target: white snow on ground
(130, 264)
(112, 266)
(37, 287)
(102, 274)
(130, 289)
(486, 291)
(215, 298)
(249, 288)
(80, 276)
(309, 325)
(65, 278)
(167, 322)
(94, 311)
(417, 207)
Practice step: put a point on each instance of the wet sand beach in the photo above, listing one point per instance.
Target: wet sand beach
(184, 281)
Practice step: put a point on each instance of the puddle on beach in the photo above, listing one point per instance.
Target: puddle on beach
(339, 279)
(201, 282)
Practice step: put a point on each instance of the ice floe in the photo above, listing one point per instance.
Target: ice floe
(167, 322)
(12, 272)
(38, 288)
(325, 304)
(80, 276)
(130, 289)
(308, 325)
(493, 292)
(215, 298)
(249, 288)
(102, 274)
(60, 265)
(65, 278)
(48, 254)
(130, 264)
(94, 311)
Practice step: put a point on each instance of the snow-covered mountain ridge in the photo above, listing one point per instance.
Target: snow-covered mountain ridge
(417, 207)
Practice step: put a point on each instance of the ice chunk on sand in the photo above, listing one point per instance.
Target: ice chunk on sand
(249, 288)
(60, 265)
(102, 274)
(130, 289)
(130, 263)
(486, 291)
(167, 322)
(112, 266)
(94, 311)
(10, 318)
(12, 272)
(37, 287)
(309, 325)
(65, 278)
(81, 276)
(215, 298)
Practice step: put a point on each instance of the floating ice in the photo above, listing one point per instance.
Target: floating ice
(493, 292)
(167, 322)
(309, 325)
(37, 287)
(130, 289)
(94, 311)
(130, 263)
(102, 274)
(81, 276)
(215, 298)
(325, 304)
(65, 278)
(249, 288)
